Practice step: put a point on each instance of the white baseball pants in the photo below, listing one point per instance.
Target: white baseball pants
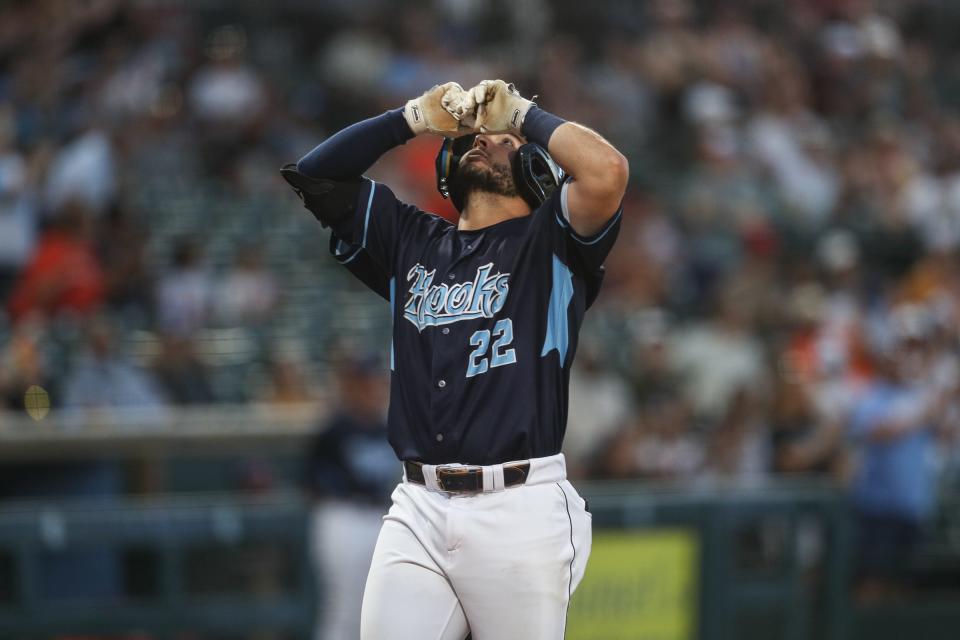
(500, 565)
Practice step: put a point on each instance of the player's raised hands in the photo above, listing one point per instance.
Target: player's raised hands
(499, 107)
(438, 111)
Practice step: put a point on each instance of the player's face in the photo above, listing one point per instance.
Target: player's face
(487, 166)
(492, 149)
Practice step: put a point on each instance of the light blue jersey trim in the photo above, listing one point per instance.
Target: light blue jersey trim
(366, 219)
(341, 256)
(393, 291)
(352, 256)
(564, 220)
(598, 238)
(594, 239)
(350, 259)
(558, 333)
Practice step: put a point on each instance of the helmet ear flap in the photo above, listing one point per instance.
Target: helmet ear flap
(448, 159)
(444, 164)
(535, 174)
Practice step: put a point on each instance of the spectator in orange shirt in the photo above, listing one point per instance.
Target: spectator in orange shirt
(64, 274)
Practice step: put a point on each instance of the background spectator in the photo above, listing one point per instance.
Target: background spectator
(248, 294)
(64, 275)
(180, 372)
(18, 205)
(185, 292)
(893, 427)
(103, 377)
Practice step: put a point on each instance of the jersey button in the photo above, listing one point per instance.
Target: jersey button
(445, 330)
(452, 276)
(442, 384)
(439, 437)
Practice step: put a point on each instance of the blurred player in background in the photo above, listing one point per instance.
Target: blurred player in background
(350, 474)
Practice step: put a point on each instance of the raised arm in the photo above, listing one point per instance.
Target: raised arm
(328, 179)
(352, 151)
(598, 171)
(599, 175)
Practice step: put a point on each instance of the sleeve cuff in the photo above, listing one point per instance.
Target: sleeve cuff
(591, 239)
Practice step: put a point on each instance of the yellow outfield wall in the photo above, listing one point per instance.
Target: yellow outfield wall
(639, 585)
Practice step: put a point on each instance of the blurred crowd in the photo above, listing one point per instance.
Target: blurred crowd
(784, 297)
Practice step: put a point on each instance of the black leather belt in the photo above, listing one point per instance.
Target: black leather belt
(466, 479)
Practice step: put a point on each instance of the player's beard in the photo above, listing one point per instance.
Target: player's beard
(493, 178)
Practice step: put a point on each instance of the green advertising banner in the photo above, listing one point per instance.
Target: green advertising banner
(639, 585)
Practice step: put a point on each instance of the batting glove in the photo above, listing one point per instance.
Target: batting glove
(499, 107)
(434, 111)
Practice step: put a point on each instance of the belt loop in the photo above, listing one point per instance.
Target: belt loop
(430, 477)
(493, 478)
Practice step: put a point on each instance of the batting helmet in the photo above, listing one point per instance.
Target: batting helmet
(534, 171)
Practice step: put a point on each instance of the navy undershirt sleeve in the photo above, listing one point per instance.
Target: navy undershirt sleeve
(539, 125)
(351, 151)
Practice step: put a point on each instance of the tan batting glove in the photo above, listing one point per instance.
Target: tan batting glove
(499, 107)
(433, 112)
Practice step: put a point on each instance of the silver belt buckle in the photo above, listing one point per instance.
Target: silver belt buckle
(457, 469)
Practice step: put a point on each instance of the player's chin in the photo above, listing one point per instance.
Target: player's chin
(472, 170)
(491, 178)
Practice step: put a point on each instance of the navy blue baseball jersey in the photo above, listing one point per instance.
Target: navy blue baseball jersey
(485, 323)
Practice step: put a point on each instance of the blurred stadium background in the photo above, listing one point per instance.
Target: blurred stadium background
(764, 412)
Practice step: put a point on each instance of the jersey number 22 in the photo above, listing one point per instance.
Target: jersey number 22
(503, 336)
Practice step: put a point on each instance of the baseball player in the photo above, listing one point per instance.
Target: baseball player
(485, 535)
(350, 473)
